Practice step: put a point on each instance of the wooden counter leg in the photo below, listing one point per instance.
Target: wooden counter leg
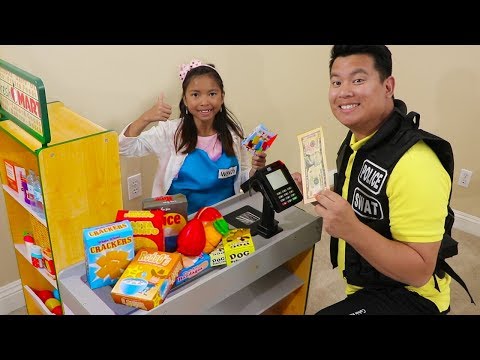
(296, 302)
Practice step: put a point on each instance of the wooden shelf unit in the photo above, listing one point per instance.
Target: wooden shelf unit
(80, 178)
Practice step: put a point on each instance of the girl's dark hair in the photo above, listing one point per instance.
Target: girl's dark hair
(382, 57)
(186, 134)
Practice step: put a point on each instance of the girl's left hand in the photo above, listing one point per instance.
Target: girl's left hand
(259, 160)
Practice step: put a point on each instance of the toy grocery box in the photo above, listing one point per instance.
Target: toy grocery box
(147, 280)
(109, 249)
(147, 228)
(192, 266)
(12, 180)
(217, 256)
(175, 216)
(237, 244)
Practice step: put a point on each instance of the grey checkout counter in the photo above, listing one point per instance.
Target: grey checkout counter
(274, 279)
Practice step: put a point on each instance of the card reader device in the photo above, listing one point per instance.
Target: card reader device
(279, 192)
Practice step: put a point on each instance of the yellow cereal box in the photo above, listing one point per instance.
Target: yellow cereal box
(147, 228)
(109, 249)
(147, 280)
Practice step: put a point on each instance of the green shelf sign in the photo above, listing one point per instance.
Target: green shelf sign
(23, 101)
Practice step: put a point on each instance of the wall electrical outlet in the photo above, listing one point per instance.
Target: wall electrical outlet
(134, 185)
(464, 178)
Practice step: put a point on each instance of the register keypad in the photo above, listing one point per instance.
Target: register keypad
(286, 195)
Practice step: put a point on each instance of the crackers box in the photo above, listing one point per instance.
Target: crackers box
(175, 216)
(147, 228)
(147, 280)
(109, 248)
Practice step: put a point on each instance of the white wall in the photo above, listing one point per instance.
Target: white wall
(283, 87)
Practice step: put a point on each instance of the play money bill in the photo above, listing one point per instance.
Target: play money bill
(313, 163)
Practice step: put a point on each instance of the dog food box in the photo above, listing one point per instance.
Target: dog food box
(147, 228)
(109, 249)
(237, 244)
(147, 280)
(175, 216)
(217, 256)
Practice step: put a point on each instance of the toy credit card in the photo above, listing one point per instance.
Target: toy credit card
(259, 140)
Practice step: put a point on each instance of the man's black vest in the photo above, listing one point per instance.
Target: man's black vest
(371, 168)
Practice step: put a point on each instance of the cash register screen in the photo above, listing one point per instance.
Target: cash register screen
(277, 179)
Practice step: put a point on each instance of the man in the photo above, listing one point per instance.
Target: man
(386, 214)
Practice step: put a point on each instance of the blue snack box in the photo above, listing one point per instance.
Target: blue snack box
(109, 249)
(192, 266)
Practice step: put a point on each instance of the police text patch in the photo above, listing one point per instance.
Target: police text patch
(372, 176)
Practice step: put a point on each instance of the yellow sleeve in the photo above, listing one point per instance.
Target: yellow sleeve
(418, 190)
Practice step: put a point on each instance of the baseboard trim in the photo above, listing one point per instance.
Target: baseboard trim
(467, 223)
(11, 297)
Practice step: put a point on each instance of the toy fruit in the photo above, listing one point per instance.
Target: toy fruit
(212, 236)
(27, 237)
(210, 214)
(221, 226)
(191, 239)
(44, 295)
(54, 306)
(56, 294)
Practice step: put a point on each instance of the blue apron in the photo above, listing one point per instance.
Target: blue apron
(203, 181)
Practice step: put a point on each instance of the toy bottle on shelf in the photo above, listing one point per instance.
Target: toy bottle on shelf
(37, 194)
(37, 257)
(30, 191)
(48, 262)
(29, 242)
(23, 179)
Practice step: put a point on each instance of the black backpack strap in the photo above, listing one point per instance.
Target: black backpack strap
(334, 240)
(343, 155)
(444, 266)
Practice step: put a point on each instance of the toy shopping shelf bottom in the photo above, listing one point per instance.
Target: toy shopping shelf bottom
(104, 294)
(249, 286)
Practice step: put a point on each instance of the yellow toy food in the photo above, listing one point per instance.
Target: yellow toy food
(214, 225)
(213, 237)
